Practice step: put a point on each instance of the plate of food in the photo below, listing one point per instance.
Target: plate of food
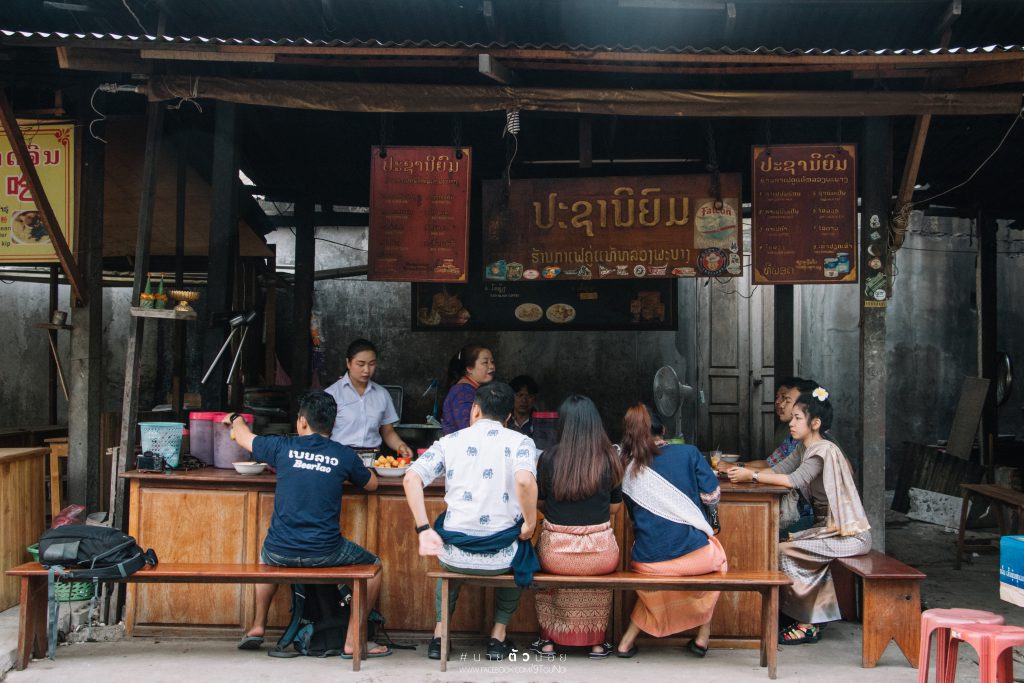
(391, 466)
(529, 313)
(27, 228)
(561, 313)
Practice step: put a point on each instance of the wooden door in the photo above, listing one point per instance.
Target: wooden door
(735, 358)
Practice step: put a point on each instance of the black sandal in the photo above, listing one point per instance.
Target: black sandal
(537, 647)
(696, 649)
(606, 649)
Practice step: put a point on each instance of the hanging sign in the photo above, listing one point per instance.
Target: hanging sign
(612, 228)
(804, 214)
(23, 237)
(419, 214)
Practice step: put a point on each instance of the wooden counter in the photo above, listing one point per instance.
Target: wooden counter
(215, 515)
(22, 512)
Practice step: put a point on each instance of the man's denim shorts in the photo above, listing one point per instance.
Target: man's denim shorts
(347, 553)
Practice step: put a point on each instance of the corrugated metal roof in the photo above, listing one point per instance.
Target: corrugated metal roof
(794, 24)
(150, 40)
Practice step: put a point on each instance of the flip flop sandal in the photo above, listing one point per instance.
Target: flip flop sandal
(538, 646)
(792, 635)
(696, 649)
(631, 652)
(250, 643)
(606, 649)
(372, 655)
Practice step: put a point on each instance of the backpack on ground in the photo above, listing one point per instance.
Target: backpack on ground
(319, 624)
(92, 552)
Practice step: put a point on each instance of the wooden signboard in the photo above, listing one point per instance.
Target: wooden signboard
(568, 305)
(419, 214)
(804, 214)
(611, 228)
(23, 238)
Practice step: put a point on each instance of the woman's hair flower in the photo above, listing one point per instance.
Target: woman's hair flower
(820, 393)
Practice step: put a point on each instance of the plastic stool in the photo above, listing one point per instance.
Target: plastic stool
(994, 644)
(940, 621)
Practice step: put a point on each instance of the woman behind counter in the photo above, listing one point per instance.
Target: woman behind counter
(366, 413)
(467, 370)
(664, 486)
(823, 475)
(578, 491)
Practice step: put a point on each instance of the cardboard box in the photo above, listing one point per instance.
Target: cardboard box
(1011, 569)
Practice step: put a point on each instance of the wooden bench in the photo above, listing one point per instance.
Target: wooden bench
(32, 620)
(889, 605)
(767, 583)
(1003, 497)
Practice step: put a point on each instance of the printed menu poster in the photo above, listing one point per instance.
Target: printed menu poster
(23, 237)
(804, 214)
(614, 228)
(419, 214)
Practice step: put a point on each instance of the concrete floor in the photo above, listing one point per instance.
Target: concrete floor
(835, 659)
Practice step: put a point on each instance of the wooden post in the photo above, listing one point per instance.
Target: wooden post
(132, 360)
(985, 288)
(223, 252)
(60, 245)
(87, 356)
(302, 307)
(51, 366)
(782, 332)
(178, 379)
(876, 191)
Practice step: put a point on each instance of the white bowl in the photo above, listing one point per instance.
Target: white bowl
(729, 457)
(249, 467)
(390, 471)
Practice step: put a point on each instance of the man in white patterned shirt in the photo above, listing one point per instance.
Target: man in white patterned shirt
(490, 485)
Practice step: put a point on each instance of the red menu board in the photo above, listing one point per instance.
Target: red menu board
(804, 214)
(629, 227)
(419, 214)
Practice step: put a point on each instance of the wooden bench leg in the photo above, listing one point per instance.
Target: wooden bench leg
(359, 613)
(770, 629)
(31, 620)
(892, 611)
(960, 533)
(444, 624)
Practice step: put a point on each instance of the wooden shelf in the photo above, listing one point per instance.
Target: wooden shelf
(51, 326)
(165, 314)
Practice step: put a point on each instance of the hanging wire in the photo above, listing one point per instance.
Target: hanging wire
(712, 166)
(457, 135)
(383, 136)
(512, 128)
(134, 16)
(101, 115)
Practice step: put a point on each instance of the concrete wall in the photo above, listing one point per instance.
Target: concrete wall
(930, 336)
(23, 365)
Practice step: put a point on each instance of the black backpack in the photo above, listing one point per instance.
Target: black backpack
(319, 624)
(93, 552)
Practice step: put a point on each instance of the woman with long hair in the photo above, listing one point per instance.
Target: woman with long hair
(578, 491)
(664, 487)
(823, 476)
(471, 367)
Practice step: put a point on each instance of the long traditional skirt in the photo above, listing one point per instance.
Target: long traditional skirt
(662, 613)
(576, 616)
(812, 597)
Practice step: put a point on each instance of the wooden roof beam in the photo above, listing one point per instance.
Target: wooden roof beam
(42, 202)
(982, 76)
(495, 70)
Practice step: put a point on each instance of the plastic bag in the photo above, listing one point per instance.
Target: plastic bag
(72, 514)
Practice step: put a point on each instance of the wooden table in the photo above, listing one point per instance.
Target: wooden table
(22, 511)
(1001, 496)
(219, 515)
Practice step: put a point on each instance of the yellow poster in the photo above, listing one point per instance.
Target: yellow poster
(23, 237)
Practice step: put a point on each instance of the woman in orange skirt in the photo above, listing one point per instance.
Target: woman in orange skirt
(664, 487)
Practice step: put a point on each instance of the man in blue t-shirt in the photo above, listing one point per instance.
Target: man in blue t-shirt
(305, 530)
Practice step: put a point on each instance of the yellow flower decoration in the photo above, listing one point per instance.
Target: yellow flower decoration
(820, 393)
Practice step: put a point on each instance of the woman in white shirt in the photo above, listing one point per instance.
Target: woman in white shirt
(366, 413)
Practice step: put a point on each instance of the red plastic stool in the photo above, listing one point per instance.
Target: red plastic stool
(994, 644)
(940, 621)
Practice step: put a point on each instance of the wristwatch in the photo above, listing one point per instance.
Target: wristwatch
(421, 528)
(753, 476)
(233, 417)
